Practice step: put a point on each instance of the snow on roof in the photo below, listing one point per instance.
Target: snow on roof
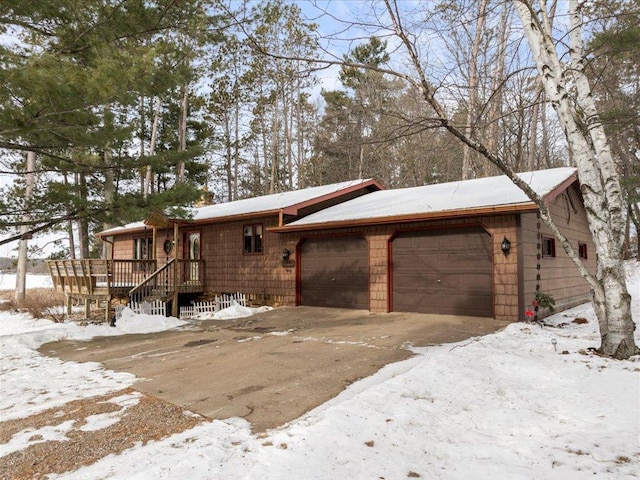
(443, 197)
(256, 205)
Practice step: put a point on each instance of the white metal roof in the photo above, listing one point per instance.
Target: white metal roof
(443, 197)
(256, 205)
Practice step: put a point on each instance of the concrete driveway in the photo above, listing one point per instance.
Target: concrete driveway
(272, 367)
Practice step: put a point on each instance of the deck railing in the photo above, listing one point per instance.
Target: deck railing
(138, 280)
(88, 277)
(128, 273)
(120, 278)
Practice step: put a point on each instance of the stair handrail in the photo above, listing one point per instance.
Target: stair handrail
(151, 277)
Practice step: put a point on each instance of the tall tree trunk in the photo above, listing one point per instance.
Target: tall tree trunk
(533, 134)
(109, 195)
(265, 170)
(472, 107)
(275, 160)
(236, 149)
(299, 106)
(72, 243)
(496, 102)
(83, 223)
(288, 133)
(228, 161)
(596, 169)
(141, 134)
(182, 133)
(21, 267)
(148, 184)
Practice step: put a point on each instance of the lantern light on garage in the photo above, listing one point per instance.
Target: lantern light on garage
(505, 246)
(286, 253)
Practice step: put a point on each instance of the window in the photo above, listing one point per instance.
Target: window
(253, 238)
(548, 247)
(142, 248)
(582, 250)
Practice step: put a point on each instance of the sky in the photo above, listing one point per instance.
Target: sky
(530, 401)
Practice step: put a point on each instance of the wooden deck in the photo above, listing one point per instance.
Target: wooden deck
(104, 280)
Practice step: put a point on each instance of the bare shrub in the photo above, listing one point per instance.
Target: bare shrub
(43, 303)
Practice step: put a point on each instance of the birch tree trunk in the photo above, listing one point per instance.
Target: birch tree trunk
(599, 179)
(21, 267)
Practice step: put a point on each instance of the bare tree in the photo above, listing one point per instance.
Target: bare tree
(472, 107)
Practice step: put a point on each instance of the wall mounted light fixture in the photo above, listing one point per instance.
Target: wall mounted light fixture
(505, 246)
(285, 255)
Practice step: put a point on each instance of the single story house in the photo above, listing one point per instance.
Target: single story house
(474, 247)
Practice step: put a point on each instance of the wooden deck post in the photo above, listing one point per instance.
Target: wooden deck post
(68, 299)
(176, 255)
(107, 309)
(154, 240)
(87, 309)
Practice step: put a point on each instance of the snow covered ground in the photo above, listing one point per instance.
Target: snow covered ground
(8, 281)
(512, 405)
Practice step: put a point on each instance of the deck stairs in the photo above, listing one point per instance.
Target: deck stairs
(160, 285)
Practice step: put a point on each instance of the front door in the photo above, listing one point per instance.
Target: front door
(192, 252)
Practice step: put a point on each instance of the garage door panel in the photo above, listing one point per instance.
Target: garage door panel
(335, 272)
(447, 272)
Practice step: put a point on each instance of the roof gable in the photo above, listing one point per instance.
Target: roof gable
(445, 199)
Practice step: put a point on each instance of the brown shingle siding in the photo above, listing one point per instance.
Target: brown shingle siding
(558, 276)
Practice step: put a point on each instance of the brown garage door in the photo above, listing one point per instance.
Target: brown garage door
(334, 272)
(448, 272)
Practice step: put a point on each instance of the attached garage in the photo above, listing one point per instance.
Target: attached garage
(446, 272)
(334, 272)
